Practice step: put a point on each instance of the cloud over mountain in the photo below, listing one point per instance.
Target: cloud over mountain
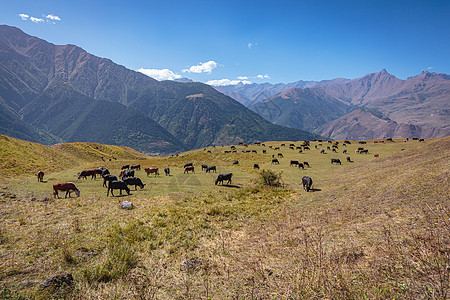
(205, 67)
(160, 74)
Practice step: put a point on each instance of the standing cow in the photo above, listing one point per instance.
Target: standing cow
(307, 183)
(67, 187)
(40, 176)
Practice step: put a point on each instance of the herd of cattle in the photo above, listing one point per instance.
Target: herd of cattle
(127, 173)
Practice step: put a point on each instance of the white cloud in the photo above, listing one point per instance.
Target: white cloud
(53, 17)
(160, 74)
(206, 67)
(242, 77)
(262, 76)
(429, 68)
(36, 20)
(223, 82)
(250, 45)
(24, 16)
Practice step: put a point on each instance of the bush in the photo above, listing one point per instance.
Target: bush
(270, 178)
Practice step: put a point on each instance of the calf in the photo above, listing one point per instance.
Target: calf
(335, 161)
(40, 176)
(151, 170)
(134, 181)
(167, 171)
(211, 168)
(67, 187)
(108, 178)
(189, 169)
(224, 177)
(117, 185)
(275, 161)
(307, 183)
(256, 166)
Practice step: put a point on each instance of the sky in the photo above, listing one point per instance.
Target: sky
(227, 42)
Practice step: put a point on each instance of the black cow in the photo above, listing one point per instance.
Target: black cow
(211, 168)
(345, 151)
(167, 171)
(137, 167)
(224, 177)
(349, 159)
(124, 167)
(306, 164)
(235, 162)
(307, 183)
(256, 166)
(128, 173)
(108, 178)
(306, 148)
(188, 165)
(204, 167)
(105, 171)
(117, 185)
(322, 151)
(134, 181)
(294, 162)
(335, 161)
(364, 151)
(275, 161)
(300, 165)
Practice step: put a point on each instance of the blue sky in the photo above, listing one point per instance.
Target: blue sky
(250, 41)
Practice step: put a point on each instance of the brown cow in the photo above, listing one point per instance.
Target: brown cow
(40, 176)
(151, 170)
(67, 187)
(189, 169)
(86, 173)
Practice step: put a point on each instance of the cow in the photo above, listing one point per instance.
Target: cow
(347, 142)
(362, 142)
(135, 167)
(322, 151)
(376, 155)
(108, 178)
(188, 165)
(211, 168)
(283, 145)
(235, 162)
(306, 148)
(421, 140)
(189, 169)
(264, 150)
(151, 170)
(105, 171)
(349, 159)
(117, 185)
(86, 173)
(128, 173)
(134, 181)
(276, 148)
(67, 187)
(300, 151)
(335, 161)
(125, 167)
(254, 151)
(40, 176)
(345, 151)
(275, 161)
(300, 165)
(280, 154)
(363, 151)
(307, 183)
(306, 164)
(204, 167)
(256, 166)
(334, 150)
(167, 171)
(224, 177)
(294, 162)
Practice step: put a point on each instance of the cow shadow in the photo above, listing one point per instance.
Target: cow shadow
(44, 181)
(124, 195)
(315, 190)
(231, 186)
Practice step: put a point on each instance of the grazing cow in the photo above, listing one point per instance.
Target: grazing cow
(345, 151)
(376, 155)
(300, 165)
(364, 151)
(122, 172)
(108, 178)
(256, 166)
(67, 187)
(347, 142)
(334, 150)
(283, 145)
(167, 171)
(235, 162)
(276, 148)
(307, 183)
(349, 159)
(117, 185)
(40, 176)
(134, 181)
(86, 173)
(335, 161)
(290, 147)
(362, 142)
(421, 140)
(335, 146)
(135, 167)
(328, 148)
(306, 164)
(294, 162)
(322, 151)
(300, 151)
(105, 171)
(264, 150)
(389, 139)
(124, 167)
(306, 148)
(151, 170)
(224, 177)
(128, 173)
(211, 168)
(188, 165)
(280, 154)
(254, 151)
(189, 169)
(275, 161)
(204, 167)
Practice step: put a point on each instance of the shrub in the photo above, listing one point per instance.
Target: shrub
(270, 178)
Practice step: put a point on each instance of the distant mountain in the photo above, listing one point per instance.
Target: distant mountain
(362, 123)
(71, 94)
(250, 94)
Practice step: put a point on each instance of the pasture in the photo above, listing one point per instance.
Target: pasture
(373, 228)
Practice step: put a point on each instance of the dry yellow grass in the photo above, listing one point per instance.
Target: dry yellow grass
(378, 228)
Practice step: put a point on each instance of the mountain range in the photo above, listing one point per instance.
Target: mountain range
(60, 93)
(420, 105)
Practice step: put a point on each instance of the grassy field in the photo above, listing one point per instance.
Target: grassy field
(374, 228)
